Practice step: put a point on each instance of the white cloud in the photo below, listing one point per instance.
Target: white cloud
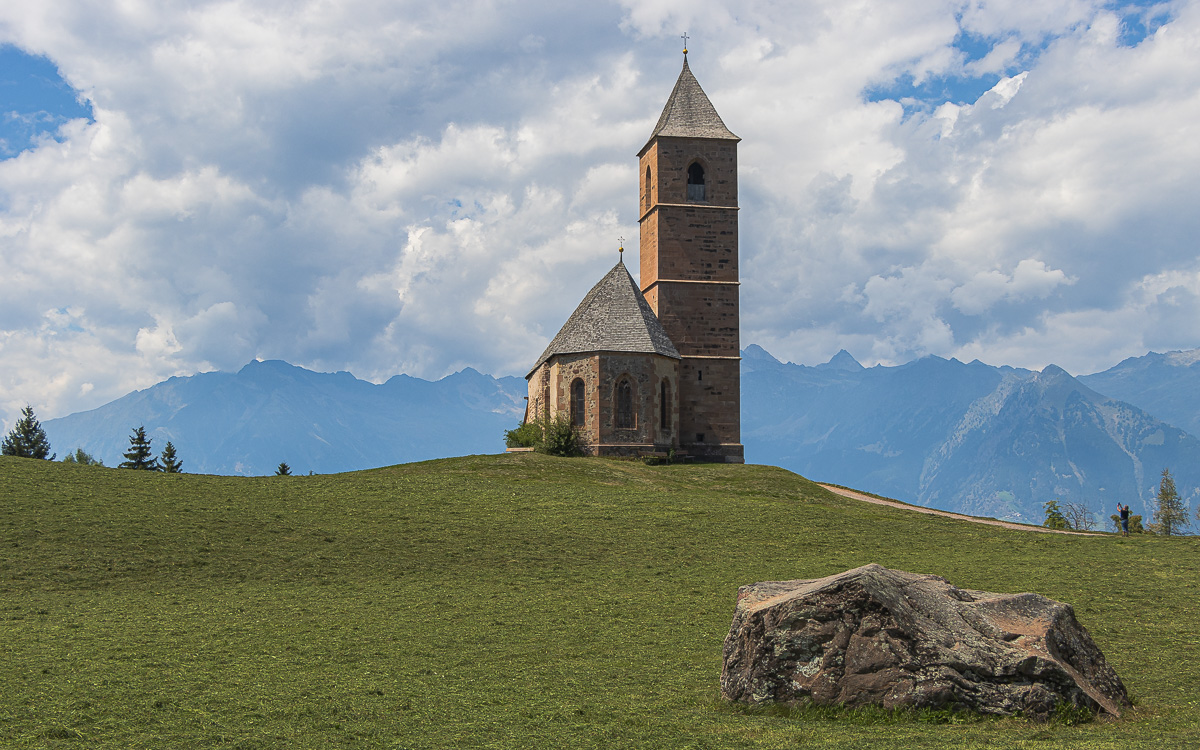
(404, 187)
(1031, 279)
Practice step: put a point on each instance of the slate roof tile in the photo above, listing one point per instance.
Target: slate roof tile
(613, 317)
(689, 113)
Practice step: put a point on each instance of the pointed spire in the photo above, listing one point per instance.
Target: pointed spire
(689, 113)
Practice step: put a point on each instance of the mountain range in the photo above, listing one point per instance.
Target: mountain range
(270, 412)
(973, 438)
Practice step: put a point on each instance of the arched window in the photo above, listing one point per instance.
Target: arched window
(664, 405)
(647, 188)
(577, 402)
(625, 413)
(695, 183)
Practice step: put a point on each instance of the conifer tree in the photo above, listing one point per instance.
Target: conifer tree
(283, 470)
(139, 455)
(1170, 515)
(27, 439)
(168, 461)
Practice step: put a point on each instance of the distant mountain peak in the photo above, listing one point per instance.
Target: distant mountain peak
(754, 351)
(754, 357)
(843, 360)
(1185, 358)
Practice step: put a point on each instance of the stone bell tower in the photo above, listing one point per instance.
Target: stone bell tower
(689, 263)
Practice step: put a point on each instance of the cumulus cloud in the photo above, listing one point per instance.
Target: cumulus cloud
(405, 187)
(1031, 279)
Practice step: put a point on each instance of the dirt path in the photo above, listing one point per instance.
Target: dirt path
(930, 511)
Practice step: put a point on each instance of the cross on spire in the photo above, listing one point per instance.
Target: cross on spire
(684, 37)
(621, 246)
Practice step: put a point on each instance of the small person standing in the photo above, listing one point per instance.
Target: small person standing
(1124, 511)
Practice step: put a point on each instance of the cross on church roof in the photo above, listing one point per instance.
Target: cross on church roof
(684, 37)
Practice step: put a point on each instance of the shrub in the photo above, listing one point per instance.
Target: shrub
(559, 438)
(1054, 516)
(83, 458)
(554, 436)
(527, 435)
(1135, 524)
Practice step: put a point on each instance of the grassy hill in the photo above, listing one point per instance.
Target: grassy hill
(501, 601)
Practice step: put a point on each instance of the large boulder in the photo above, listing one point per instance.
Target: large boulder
(890, 638)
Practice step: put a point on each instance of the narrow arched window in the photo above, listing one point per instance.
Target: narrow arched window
(695, 183)
(625, 405)
(577, 403)
(647, 188)
(664, 405)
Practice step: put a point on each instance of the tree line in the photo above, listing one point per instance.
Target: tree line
(1170, 514)
(28, 440)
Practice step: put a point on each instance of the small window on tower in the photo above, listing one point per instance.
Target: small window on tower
(647, 188)
(695, 183)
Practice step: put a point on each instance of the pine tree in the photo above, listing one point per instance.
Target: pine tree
(1170, 515)
(27, 439)
(168, 461)
(139, 455)
(283, 470)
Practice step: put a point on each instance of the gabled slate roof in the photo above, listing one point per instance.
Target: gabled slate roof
(613, 317)
(689, 113)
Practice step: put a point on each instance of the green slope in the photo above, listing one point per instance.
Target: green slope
(500, 601)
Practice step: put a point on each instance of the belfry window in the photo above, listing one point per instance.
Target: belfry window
(577, 402)
(695, 183)
(625, 415)
(647, 188)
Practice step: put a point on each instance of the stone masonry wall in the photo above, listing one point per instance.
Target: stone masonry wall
(683, 243)
(645, 372)
(550, 387)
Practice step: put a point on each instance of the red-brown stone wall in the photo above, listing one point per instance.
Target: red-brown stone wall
(683, 245)
(648, 251)
(698, 243)
(700, 318)
(710, 408)
(669, 159)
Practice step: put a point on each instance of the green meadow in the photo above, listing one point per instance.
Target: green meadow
(513, 601)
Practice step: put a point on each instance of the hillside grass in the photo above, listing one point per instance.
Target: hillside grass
(513, 601)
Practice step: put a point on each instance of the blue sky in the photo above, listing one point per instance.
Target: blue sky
(34, 101)
(387, 187)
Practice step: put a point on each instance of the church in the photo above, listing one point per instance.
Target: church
(655, 368)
